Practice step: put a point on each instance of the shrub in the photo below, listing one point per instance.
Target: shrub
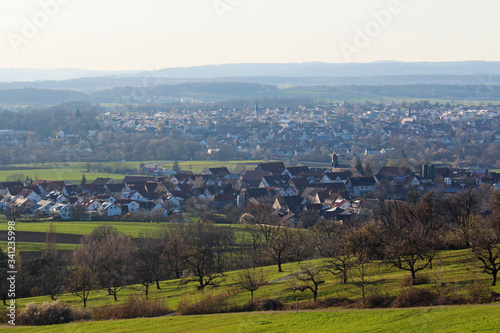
(134, 307)
(52, 313)
(320, 303)
(420, 279)
(208, 304)
(3, 316)
(411, 297)
(374, 301)
(268, 304)
(479, 293)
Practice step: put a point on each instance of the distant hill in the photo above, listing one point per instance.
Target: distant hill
(319, 69)
(289, 70)
(31, 96)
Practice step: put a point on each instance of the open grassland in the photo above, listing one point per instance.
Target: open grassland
(73, 171)
(200, 166)
(453, 268)
(67, 174)
(440, 319)
(83, 228)
(30, 247)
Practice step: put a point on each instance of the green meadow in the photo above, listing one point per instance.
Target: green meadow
(439, 319)
(73, 171)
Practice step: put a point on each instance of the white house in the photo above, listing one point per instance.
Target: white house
(110, 209)
(43, 207)
(61, 211)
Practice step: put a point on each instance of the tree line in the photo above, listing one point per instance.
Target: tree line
(406, 234)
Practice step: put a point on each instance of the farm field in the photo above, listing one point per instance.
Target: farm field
(73, 171)
(82, 228)
(200, 166)
(440, 319)
(29, 247)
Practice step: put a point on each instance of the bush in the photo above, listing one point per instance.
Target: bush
(420, 279)
(208, 304)
(411, 297)
(320, 303)
(374, 301)
(268, 304)
(479, 293)
(134, 307)
(3, 316)
(52, 313)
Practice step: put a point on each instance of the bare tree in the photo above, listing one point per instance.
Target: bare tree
(52, 275)
(251, 280)
(201, 259)
(110, 257)
(411, 236)
(148, 264)
(459, 208)
(82, 282)
(277, 235)
(484, 235)
(332, 243)
(174, 254)
(309, 278)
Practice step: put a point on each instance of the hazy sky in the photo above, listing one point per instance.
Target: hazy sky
(153, 34)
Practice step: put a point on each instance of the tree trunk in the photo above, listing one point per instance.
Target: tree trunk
(147, 290)
(114, 295)
(344, 276)
(413, 277)
(158, 284)
(279, 266)
(84, 302)
(251, 292)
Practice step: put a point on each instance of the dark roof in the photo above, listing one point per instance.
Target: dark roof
(136, 179)
(102, 181)
(332, 187)
(255, 175)
(115, 187)
(11, 184)
(293, 203)
(276, 168)
(256, 193)
(390, 173)
(294, 171)
(277, 181)
(362, 181)
(219, 172)
(15, 190)
(341, 175)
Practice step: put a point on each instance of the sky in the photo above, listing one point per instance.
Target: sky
(154, 34)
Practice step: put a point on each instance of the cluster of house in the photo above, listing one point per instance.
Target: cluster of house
(103, 197)
(289, 132)
(336, 192)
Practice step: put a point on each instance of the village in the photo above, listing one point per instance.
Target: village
(334, 193)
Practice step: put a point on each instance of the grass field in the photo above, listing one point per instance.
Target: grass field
(200, 166)
(73, 171)
(452, 267)
(440, 319)
(82, 228)
(28, 247)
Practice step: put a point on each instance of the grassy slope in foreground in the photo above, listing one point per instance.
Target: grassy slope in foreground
(445, 319)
